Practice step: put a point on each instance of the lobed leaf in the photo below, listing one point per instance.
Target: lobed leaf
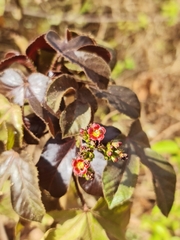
(83, 226)
(55, 165)
(25, 193)
(15, 86)
(122, 99)
(96, 69)
(114, 221)
(10, 123)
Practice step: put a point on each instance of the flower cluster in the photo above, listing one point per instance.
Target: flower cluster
(90, 139)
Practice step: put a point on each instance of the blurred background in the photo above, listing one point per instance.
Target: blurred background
(145, 36)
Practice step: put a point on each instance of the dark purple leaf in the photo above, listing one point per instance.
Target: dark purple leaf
(94, 66)
(164, 177)
(111, 133)
(99, 51)
(70, 35)
(60, 87)
(94, 187)
(76, 115)
(87, 96)
(122, 99)
(41, 53)
(137, 135)
(55, 165)
(21, 59)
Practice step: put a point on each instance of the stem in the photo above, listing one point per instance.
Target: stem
(79, 192)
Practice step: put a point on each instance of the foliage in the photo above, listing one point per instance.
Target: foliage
(53, 90)
(157, 225)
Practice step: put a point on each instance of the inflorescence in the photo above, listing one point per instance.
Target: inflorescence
(90, 139)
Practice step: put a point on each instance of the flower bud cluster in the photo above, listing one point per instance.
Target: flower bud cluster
(90, 139)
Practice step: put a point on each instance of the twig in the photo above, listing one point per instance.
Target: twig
(79, 192)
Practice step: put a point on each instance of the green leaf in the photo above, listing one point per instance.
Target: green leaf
(114, 221)
(83, 226)
(5, 202)
(3, 136)
(76, 115)
(25, 193)
(164, 178)
(166, 146)
(10, 123)
(119, 181)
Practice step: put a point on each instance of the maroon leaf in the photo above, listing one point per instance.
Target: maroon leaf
(41, 54)
(60, 87)
(22, 59)
(55, 165)
(94, 66)
(94, 187)
(111, 133)
(99, 51)
(70, 34)
(87, 96)
(122, 99)
(164, 178)
(78, 114)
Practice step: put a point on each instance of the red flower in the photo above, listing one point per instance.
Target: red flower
(80, 167)
(96, 132)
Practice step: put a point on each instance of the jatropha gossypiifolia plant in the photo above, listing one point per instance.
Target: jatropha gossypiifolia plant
(51, 94)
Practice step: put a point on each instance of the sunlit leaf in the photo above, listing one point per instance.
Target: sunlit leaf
(122, 99)
(10, 123)
(98, 50)
(96, 69)
(119, 181)
(3, 136)
(113, 221)
(58, 89)
(25, 193)
(5, 202)
(15, 86)
(55, 165)
(83, 226)
(76, 115)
